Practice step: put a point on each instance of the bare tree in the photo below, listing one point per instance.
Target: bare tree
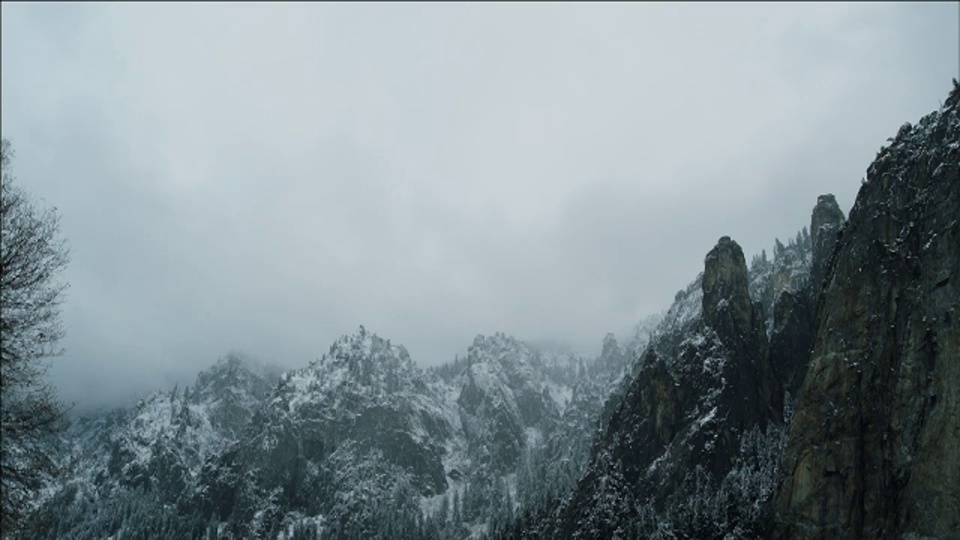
(31, 256)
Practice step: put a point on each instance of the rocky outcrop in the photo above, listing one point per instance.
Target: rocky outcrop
(367, 392)
(738, 322)
(235, 387)
(505, 401)
(726, 298)
(825, 224)
(862, 324)
(794, 309)
(359, 440)
(792, 338)
(682, 420)
(872, 452)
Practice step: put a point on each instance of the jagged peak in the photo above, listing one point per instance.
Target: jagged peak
(610, 343)
(368, 352)
(826, 198)
(724, 276)
(236, 360)
(235, 368)
(727, 306)
(496, 345)
(906, 147)
(828, 208)
(826, 221)
(517, 355)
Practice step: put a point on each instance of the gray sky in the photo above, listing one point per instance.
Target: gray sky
(268, 177)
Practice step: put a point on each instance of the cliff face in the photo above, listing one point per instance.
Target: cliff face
(794, 310)
(737, 321)
(872, 452)
(360, 440)
(675, 445)
(825, 225)
(857, 322)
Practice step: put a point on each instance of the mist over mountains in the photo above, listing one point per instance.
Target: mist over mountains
(266, 178)
(809, 391)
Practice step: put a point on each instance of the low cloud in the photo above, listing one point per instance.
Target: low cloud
(266, 178)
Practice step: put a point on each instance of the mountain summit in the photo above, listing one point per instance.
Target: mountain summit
(809, 395)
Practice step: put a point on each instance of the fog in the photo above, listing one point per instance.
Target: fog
(266, 178)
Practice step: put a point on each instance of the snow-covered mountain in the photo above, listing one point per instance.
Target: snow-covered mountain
(685, 431)
(363, 442)
(359, 441)
(804, 397)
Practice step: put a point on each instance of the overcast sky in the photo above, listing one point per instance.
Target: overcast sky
(268, 177)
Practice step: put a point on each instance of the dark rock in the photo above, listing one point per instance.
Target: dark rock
(726, 297)
(873, 451)
(738, 322)
(681, 413)
(825, 225)
(792, 338)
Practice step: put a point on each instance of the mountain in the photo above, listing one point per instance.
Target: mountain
(872, 452)
(359, 442)
(126, 463)
(699, 424)
(811, 394)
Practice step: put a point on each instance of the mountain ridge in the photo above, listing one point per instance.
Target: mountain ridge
(811, 395)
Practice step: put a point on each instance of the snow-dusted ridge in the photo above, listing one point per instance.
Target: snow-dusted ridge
(330, 447)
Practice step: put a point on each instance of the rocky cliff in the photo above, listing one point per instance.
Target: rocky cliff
(794, 308)
(359, 442)
(687, 441)
(856, 325)
(873, 451)
(812, 395)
